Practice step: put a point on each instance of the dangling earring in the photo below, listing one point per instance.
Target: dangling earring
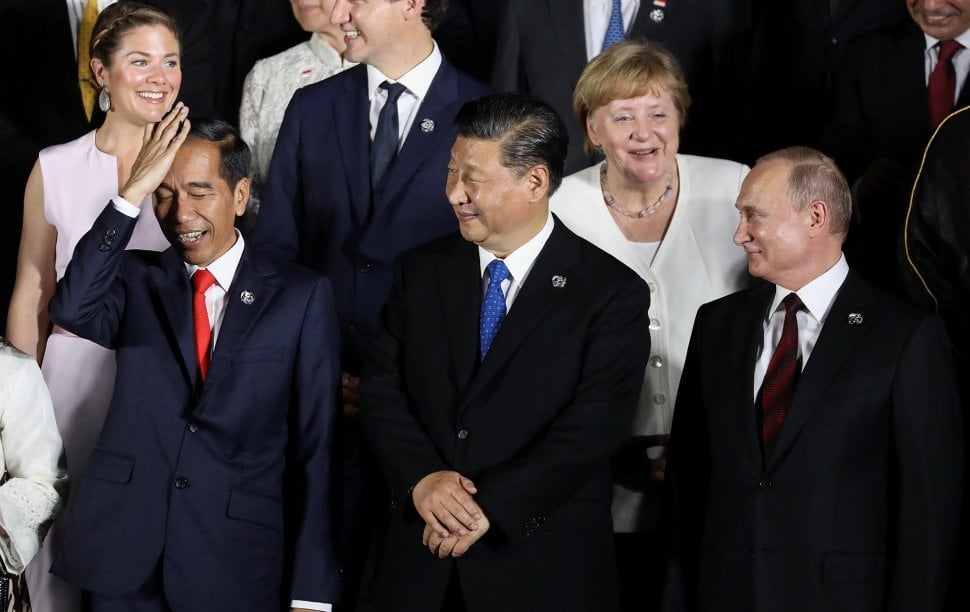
(104, 100)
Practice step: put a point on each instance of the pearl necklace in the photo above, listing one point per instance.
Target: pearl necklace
(646, 212)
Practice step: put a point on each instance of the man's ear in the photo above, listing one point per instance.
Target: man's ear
(240, 196)
(818, 218)
(537, 178)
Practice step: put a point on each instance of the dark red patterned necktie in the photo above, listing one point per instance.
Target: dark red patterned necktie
(943, 82)
(201, 281)
(780, 378)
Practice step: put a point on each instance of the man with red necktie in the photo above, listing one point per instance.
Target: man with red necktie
(209, 487)
(816, 449)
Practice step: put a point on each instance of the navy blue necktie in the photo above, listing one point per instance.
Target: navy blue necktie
(493, 308)
(615, 32)
(387, 136)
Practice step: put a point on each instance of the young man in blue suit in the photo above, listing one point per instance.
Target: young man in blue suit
(209, 487)
(524, 388)
(337, 206)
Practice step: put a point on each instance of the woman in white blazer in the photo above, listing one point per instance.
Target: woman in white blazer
(671, 218)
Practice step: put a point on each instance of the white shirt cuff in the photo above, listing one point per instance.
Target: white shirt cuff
(311, 605)
(125, 207)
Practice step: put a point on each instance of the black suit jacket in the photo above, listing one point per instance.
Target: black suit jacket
(857, 507)
(533, 425)
(798, 45)
(542, 51)
(225, 484)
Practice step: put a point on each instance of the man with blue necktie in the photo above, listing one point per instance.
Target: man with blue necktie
(502, 379)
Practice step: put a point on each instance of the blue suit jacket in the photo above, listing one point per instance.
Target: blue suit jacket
(228, 481)
(317, 207)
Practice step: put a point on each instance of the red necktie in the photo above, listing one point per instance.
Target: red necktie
(201, 280)
(943, 82)
(779, 384)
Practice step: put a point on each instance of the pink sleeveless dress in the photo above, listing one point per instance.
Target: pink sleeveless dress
(79, 180)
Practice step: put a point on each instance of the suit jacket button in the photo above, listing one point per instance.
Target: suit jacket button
(181, 483)
(193, 427)
(765, 484)
(365, 267)
(462, 434)
(110, 231)
(103, 247)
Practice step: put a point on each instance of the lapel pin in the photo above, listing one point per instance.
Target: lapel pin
(657, 15)
(247, 297)
(427, 125)
(558, 281)
(855, 318)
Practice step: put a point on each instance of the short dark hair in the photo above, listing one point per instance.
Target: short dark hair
(433, 11)
(530, 132)
(235, 157)
(117, 20)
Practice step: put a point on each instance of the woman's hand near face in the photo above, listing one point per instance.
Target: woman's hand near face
(161, 142)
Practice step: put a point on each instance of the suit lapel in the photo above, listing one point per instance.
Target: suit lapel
(460, 292)
(645, 27)
(536, 298)
(421, 140)
(254, 276)
(567, 22)
(750, 335)
(352, 121)
(173, 293)
(834, 345)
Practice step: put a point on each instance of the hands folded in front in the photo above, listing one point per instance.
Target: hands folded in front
(453, 519)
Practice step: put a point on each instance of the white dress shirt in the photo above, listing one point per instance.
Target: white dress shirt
(519, 262)
(961, 60)
(75, 9)
(216, 298)
(817, 296)
(417, 82)
(597, 13)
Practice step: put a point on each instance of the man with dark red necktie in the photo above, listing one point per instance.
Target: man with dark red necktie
(815, 459)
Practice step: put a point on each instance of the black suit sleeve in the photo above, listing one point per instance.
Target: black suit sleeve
(90, 299)
(929, 458)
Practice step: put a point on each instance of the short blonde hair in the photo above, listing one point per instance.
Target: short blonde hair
(628, 70)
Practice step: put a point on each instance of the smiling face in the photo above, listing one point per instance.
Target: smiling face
(144, 75)
(776, 237)
(639, 136)
(941, 19)
(496, 209)
(196, 208)
(374, 29)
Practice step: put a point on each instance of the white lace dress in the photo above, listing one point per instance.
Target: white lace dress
(268, 89)
(30, 458)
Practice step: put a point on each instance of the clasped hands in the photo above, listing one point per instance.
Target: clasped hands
(453, 519)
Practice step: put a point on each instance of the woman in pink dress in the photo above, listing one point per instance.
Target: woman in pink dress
(135, 63)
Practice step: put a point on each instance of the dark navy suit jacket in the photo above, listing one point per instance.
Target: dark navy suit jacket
(227, 481)
(317, 207)
(858, 504)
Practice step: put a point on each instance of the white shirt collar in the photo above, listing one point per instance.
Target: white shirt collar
(224, 268)
(520, 261)
(817, 295)
(963, 39)
(417, 80)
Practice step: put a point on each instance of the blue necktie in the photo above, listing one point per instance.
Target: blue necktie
(386, 137)
(614, 32)
(493, 308)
